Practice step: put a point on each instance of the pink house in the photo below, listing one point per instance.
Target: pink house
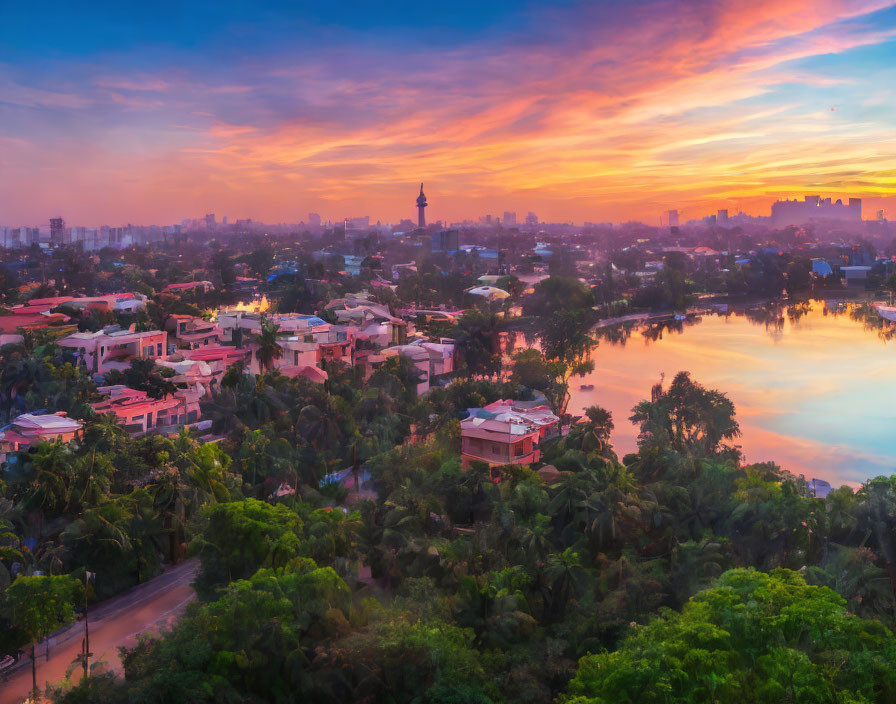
(29, 429)
(506, 432)
(140, 414)
(111, 349)
(219, 357)
(193, 333)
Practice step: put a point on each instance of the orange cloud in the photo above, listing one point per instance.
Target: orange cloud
(600, 114)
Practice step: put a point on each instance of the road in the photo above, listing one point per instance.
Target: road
(113, 623)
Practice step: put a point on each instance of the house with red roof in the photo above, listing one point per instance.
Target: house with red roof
(220, 357)
(204, 286)
(193, 333)
(140, 414)
(506, 432)
(31, 428)
(111, 348)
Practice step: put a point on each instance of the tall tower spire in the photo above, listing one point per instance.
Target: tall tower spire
(421, 204)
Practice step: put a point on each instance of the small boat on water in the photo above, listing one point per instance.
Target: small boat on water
(587, 387)
(887, 313)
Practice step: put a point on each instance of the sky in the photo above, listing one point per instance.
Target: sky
(607, 110)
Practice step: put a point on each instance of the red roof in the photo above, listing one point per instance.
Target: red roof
(11, 323)
(316, 375)
(212, 353)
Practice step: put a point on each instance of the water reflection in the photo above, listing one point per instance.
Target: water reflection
(813, 381)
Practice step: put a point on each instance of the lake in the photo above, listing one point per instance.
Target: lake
(814, 390)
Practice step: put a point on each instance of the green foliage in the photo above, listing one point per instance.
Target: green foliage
(38, 605)
(688, 418)
(753, 637)
(256, 640)
(235, 539)
(144, 374)
(268, 348)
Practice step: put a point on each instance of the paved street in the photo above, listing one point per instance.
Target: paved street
(113, 623)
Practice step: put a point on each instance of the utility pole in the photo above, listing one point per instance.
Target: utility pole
(85, 655)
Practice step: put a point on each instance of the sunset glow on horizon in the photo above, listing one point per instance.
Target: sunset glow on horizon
(576, 111)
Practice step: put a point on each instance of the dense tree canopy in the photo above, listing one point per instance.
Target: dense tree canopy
(753, 637)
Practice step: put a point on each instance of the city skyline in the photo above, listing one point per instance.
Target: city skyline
(606, 112)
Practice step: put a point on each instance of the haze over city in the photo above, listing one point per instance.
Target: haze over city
(577, 111)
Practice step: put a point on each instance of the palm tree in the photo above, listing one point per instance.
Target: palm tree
(478, 342)
(147, 533)
(318, 428)
(104, 433)
(167, 494)
(269, 350)
(565, 577)
(51, 485)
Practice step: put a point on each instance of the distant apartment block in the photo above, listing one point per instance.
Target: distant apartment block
(57, 231)
(800, 212)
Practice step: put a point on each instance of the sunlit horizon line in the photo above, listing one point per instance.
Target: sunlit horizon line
(607, 117)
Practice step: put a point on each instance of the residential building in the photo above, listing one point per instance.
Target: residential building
(506, 432)
(204, 286)
(419, 357)
(190, 332)
(57, 231)
(441, 356)
(112, 348)
(31, 428)
(220, 357)
(140, 414)
(799, 212)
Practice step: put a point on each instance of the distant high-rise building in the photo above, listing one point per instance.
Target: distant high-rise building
(531, 219)
(57, 231)
(421, 204)
(799, 212)
(672, 216)
(358, 223)
(224, 220)
(210, 221)
(445, 241)
(314, 219)
(509, 218)
(722, 216)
